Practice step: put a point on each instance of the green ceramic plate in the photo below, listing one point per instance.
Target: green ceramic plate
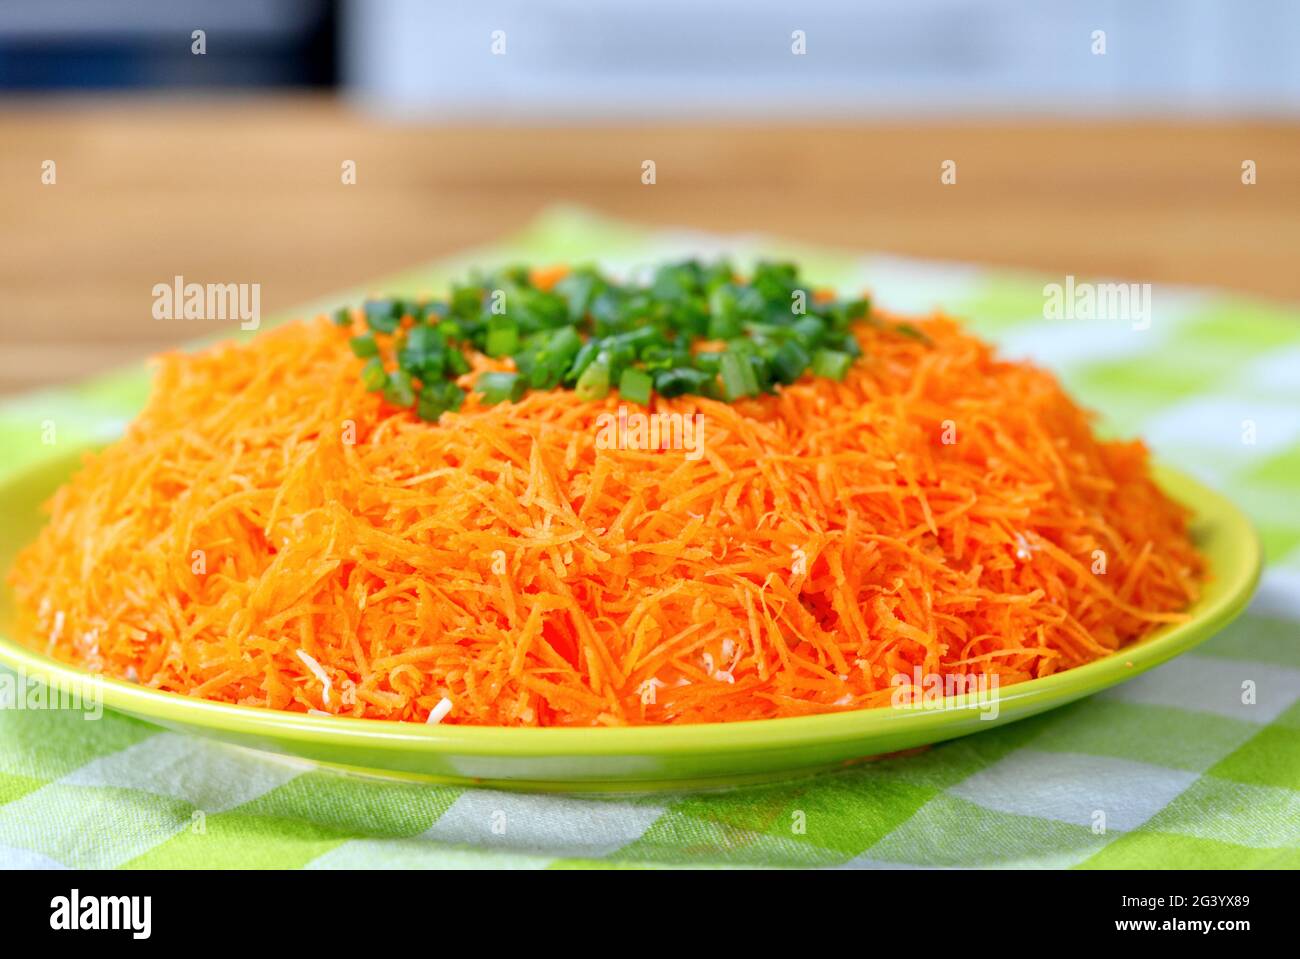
(640, 758)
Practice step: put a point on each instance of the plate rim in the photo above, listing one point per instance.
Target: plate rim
(695, 739)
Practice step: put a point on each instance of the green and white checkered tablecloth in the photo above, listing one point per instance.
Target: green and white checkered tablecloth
(1185, 774)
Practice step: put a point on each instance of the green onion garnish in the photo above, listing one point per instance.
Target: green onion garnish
(364, 346)
(683, 380)
(907, 329)
(593, 384)
(498, 387)
(591, 333)
(635, 386)
(399, 391)
(789, 362)
(831, 363)
(437, 398)
(373, 375)
(383, 316)
(502, 337)
(738, 379)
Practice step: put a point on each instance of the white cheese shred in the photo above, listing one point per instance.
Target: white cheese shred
(319, 673)
(439, 712)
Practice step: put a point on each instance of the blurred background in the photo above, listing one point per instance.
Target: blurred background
(581, 59)
(206, 139)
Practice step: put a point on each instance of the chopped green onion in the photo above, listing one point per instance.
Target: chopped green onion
(635, 386)
(808, 330)
(546, 356)
(432, 310)
(738, 379)
(789, 362)
(399, 391)
(437, 398)
(683, 380)
(593, 384)
(364, 345)
(502, 337)
(590, 332)
(457, 365)
(466, 301)
(579, 288)
(724, 320)
(832, 364)
(423, 352)
(639, 338)
(373, 375)
(498, 387)
(708, 360)
(383, 316)
(907, 329)
(582, 360)
(424, 338)
(762, 372)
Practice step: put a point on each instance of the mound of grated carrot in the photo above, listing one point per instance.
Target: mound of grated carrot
(271, 534)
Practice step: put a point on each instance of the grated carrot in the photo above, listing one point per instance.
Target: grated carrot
(269, 533)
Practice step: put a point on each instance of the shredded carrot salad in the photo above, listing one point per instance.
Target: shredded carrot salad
(269, 533)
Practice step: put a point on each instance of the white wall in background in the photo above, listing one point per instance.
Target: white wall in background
(605, 59)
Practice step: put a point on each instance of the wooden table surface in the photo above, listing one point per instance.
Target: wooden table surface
(249, 191)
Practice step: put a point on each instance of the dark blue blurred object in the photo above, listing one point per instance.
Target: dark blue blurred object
(65, 45)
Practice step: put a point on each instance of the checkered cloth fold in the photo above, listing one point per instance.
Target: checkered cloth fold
(1171, 769)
